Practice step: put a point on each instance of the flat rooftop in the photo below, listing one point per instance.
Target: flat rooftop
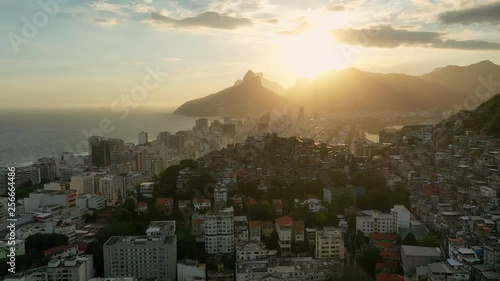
(421, 251)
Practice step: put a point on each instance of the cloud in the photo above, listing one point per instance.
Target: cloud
(483, 14)
(102, 21)
(273, 21)
(143, 8)
(116, 9)
(336, 8)
(300, 29)
(207, 19)
(388, 37)
(467, 45)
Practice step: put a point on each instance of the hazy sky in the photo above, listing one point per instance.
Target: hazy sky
(76, 53)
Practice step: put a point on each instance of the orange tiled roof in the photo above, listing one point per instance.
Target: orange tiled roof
(284, 221)
(141, 204)
(59, 249)
(254, 224)
(298, 226)
(390, 255)
(162, 202)
(196, 221)
(311, 196)
(384, 244)
(383, 236)
(201, 201)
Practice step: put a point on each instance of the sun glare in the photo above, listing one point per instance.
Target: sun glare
(310, 53)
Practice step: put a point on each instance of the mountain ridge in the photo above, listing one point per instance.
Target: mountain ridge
(349, 90)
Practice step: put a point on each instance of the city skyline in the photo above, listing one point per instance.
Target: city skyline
(80, 53)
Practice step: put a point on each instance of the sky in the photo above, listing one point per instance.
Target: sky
(104, 53)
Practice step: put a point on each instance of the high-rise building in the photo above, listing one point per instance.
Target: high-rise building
(144, 257)
(92, 140)
(163, 137)
(49, 169)
(143, 138)
(201, 123)
(219, 233)
(101, 153)
(83, 184)
(401, 217)
(176, 141)
(117, 145)
(229, 129)
(23, 175)
(139, 162)
(329, 243)
(106, 188)
(301, 114)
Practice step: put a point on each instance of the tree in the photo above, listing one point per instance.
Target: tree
(340, 203)
(410, 240)
(271, 241)
(430, 241)
(351, 273)
(321, 219)
(339, 177)
(260, 212)
(368, 258)
(36, 244)
(189, 163)
(87, 218)
(300, 247)
(129, 205)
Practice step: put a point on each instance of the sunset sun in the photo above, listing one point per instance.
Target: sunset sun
(311, 52)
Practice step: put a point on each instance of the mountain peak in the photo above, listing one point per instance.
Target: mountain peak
(248, 76)
(251, 78)
(485, 63)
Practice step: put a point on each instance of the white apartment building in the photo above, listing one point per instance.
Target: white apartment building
(251, 251)
(401, 217)
(89, 201)
(83, 184)
(219, 233)
(146, 189)
(191, 270)
(294, 269)
(142, 138)
(284, 227)
(106, 188)
(241, 233)
(329, 243)
(255, 230)
(36, 200)
(373, 221)
(141, 256)
(80, 268)
(220, 195)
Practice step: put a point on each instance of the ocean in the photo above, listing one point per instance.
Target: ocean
(26, 135)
